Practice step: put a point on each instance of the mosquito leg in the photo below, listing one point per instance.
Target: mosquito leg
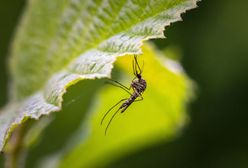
(119, 86)
(135, 67)
(111, 120)
(134, 71)
(136, 61)
(111, 109)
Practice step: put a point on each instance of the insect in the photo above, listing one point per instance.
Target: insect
(138, 86)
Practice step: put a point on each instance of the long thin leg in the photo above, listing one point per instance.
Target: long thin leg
(111, 120)
(136, 61)
(141, 98)
(111, 109)
(119, 86)
(134, 71)
(135, 67)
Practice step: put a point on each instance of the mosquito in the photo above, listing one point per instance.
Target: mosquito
(138, 86)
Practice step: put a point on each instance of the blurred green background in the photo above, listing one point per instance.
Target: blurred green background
(213, 41)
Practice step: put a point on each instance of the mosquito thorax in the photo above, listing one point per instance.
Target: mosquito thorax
(143, 83)
(139, 85)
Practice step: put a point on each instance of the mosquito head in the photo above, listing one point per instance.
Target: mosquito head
(138, 76)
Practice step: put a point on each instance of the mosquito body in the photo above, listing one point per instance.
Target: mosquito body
(138, 86)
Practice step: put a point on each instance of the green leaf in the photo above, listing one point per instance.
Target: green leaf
(61, 42)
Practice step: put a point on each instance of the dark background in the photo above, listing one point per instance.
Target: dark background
(214, 42)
